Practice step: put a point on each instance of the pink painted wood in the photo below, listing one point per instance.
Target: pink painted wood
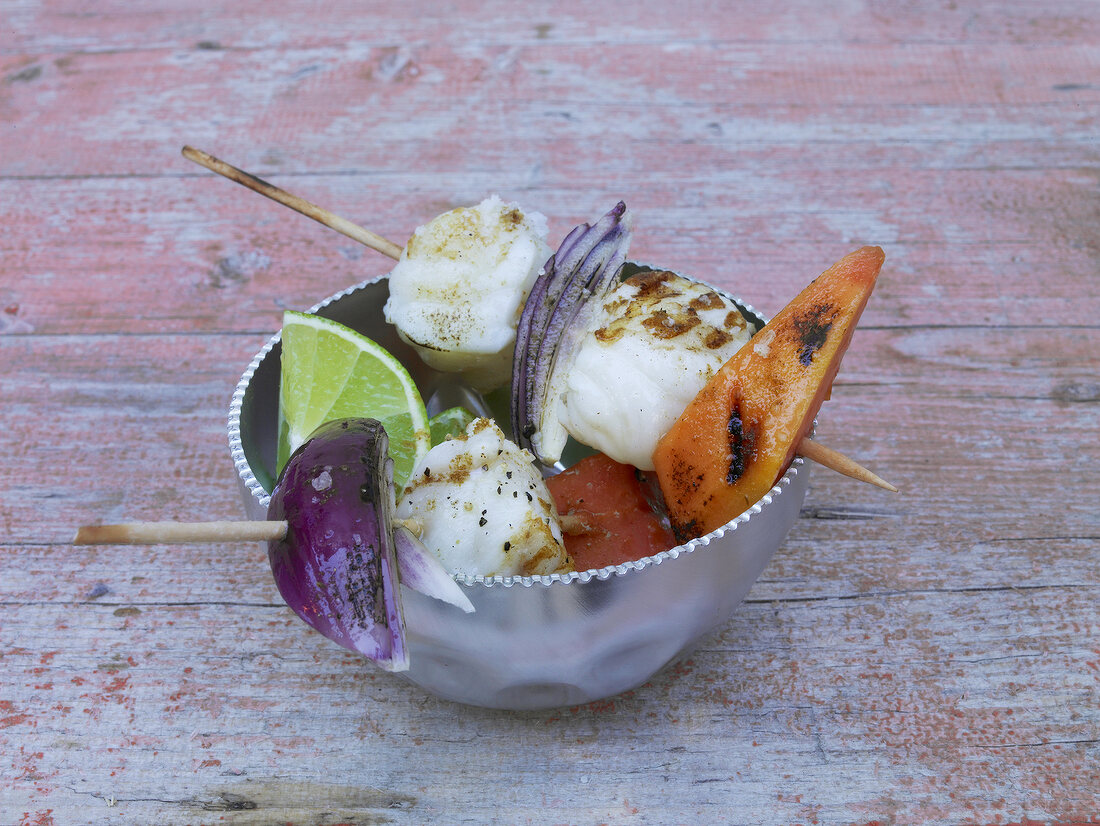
(924, 658)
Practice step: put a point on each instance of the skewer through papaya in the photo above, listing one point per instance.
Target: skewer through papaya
(738, 436)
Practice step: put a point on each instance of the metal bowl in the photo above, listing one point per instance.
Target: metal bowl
(537, 642)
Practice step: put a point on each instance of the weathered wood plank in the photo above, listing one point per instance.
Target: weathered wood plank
(251, 25)
(963, 247)
(379, 99)
(167, 693)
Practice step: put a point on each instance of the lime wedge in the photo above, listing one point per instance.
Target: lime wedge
(450, 423)
(329, 371)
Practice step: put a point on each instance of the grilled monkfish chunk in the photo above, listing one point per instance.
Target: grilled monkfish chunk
(653, 344)
(482, 507)
(458, 289)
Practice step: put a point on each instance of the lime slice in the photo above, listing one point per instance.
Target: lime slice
(449, 423)
(329, 371)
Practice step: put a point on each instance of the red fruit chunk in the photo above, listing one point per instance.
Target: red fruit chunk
(607, 514)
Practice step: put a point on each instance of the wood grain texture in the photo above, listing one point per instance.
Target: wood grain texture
(930, 657)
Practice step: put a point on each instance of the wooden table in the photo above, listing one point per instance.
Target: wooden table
(929, 657)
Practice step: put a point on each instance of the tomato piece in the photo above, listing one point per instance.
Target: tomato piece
(607, 515)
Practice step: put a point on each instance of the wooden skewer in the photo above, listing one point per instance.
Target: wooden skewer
(185, 533)
(179, 533)
(835, 460)
(193, 533)
(827, 457)
(310, 210)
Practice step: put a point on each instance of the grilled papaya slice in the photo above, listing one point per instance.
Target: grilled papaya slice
(738, 436)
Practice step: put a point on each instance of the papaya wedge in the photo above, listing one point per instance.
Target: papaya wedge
(740, 433)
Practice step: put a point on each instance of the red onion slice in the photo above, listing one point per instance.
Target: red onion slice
(584, 267)
(337, 566)
(422, 571)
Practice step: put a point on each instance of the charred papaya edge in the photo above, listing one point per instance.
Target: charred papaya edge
(682, 472)
(686, 532)
(742, 442)
(813, 330)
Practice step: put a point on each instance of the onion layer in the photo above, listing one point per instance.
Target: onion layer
(422, 571)
(584, 267)
(337, 567)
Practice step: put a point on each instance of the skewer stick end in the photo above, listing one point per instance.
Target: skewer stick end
(171, 533)
(835, 460)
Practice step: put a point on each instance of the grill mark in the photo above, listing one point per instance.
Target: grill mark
(812, 328)
(741, 441)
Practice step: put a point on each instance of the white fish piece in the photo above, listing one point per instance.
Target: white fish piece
(458, 289)
(650, 347)
(483, 508)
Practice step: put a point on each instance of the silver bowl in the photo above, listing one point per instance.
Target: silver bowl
(545, 641)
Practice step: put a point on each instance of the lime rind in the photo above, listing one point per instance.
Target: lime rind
(329, 372)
